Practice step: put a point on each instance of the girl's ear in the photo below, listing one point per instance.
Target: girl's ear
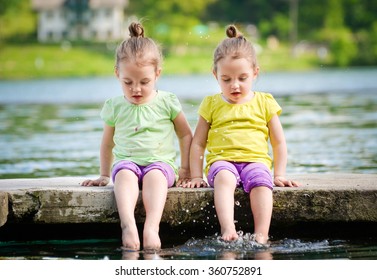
(158, 73)
(214, 73)
(116, 72)
(256, 72)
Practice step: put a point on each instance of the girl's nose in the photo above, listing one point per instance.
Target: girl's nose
(235, 85)
(135, 88)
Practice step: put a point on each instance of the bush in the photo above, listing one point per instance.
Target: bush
(342, 46)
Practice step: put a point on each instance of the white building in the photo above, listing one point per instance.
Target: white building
(99, 20)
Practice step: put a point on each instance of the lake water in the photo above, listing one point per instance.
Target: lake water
(52, 128)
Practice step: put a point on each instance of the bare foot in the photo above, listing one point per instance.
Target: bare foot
(260, 238)
(229, 234)
(130, 255)
(130, 238)
(151, 239)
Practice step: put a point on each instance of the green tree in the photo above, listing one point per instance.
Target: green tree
(169, 20)
(337, 36)
(6, 5)
(360, 17)
(272, 17)
(17, 21)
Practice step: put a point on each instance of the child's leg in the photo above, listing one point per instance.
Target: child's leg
(261, 205)
(257, 181)
(126, 190)
(224, 187)
(154, 197)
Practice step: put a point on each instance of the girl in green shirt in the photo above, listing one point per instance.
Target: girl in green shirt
(138, 140)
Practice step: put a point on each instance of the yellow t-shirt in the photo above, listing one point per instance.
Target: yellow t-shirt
(238, 132)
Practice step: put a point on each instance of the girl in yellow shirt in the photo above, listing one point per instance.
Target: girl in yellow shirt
(235, 127)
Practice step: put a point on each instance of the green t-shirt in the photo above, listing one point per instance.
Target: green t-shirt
(143, 133)
(238, 132)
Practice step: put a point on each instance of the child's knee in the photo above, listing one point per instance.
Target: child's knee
(257, 175)
(222, 171)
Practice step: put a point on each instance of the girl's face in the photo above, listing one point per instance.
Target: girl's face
(138, 81)
(235, 77)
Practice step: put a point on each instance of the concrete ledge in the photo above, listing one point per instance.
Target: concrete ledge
(3, 208)
(322, 198)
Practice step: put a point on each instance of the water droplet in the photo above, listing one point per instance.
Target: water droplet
(237, 203)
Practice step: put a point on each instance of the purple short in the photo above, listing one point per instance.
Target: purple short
(140, 171)
(248, 174)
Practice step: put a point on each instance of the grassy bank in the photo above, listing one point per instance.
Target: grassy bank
(33, 61)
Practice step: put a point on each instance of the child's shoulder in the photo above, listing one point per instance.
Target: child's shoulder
(166, 97)
(114, 100)
(263, 95)
(212, 97)
(210, 100)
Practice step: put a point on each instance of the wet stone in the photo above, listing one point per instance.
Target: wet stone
(3, 208)
(322, 198)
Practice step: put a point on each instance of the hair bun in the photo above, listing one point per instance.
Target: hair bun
(136, 30)
(232, 32)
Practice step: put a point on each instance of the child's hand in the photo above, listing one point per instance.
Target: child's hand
(183, 177)
(101, 181)
(281, 181)
(198, 183)
(183, 182)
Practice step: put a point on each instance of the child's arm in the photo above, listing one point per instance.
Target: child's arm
(197, 150)
(184, 134)
(279, 149)
(106, 158)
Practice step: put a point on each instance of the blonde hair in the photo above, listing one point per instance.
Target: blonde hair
(235, 46)
(139, 49)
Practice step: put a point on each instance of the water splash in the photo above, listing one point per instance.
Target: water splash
(245, 247)
(215, 243)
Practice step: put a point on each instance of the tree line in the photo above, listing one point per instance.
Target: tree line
(346, 28)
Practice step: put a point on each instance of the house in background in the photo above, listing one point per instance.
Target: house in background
(98, 20)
